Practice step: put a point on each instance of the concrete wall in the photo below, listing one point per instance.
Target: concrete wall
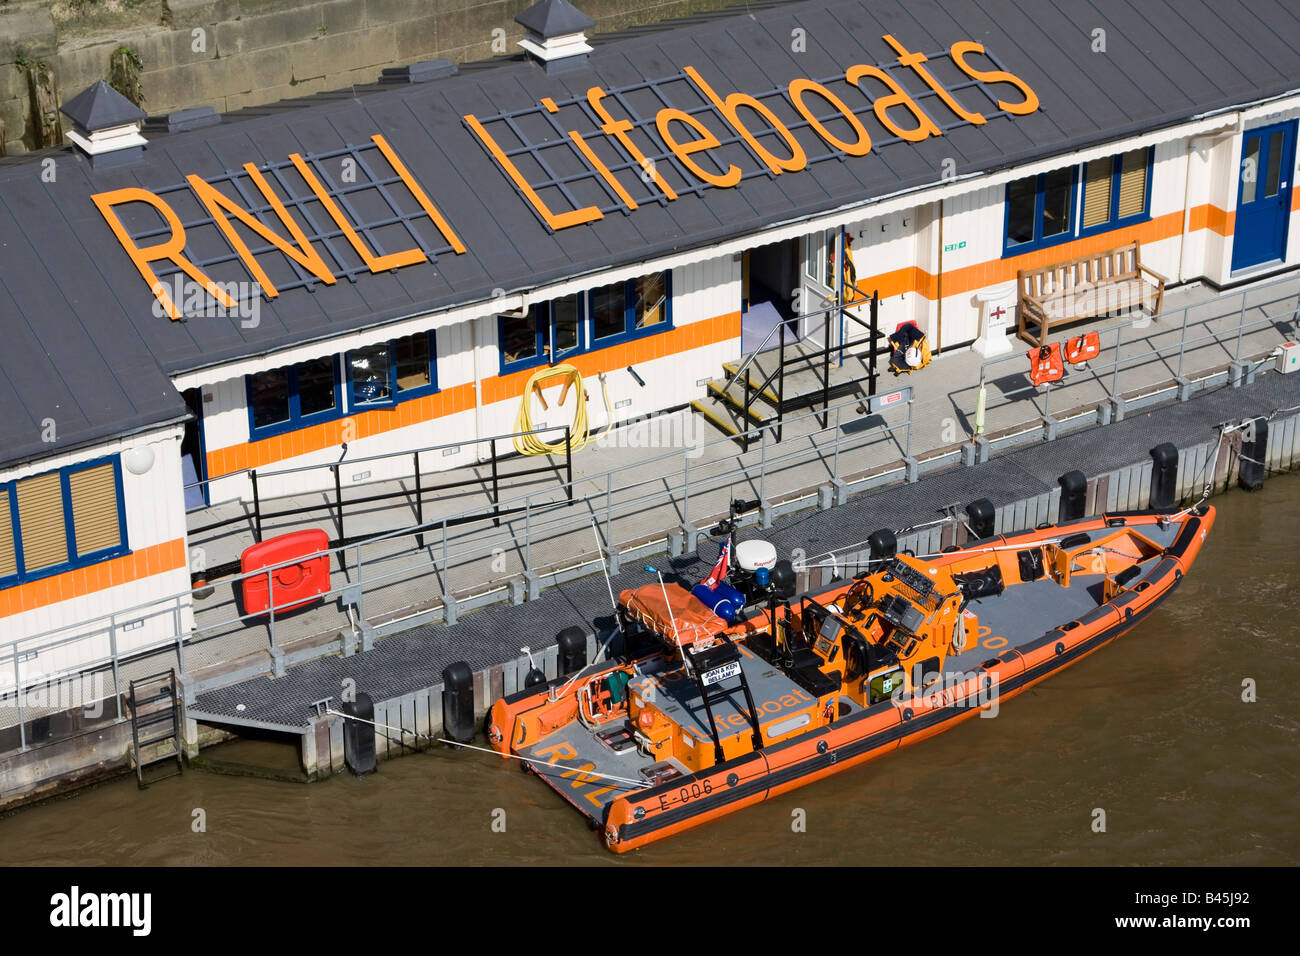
(229, 54)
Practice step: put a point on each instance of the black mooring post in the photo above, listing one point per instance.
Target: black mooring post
(419, 500)
(359, 735)
(1074, 495)
(458, 702)
(572, 654)
(1254, 453)
(883, 544)
(257, 509)
(982, 515)
(1164, 476)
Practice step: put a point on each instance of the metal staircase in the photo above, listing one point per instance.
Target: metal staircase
(754, 393)
(155, 709)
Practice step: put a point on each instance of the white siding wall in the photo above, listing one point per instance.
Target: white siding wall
(701, 290)
(154, 515)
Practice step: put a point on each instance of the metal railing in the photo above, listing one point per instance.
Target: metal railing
(436, 550)
(817, 361)
(258, 516)
(1144, 350)
(698, 492)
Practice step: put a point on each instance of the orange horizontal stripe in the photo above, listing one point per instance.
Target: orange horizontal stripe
(459, 398)
(683, 338)
(981, 275)
(139, 564)
(256, 454)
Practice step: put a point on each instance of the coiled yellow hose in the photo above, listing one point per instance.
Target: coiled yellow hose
(579, 432)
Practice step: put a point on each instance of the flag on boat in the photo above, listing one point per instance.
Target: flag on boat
(720, 569)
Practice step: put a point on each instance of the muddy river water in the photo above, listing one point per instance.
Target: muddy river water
(1153, 730)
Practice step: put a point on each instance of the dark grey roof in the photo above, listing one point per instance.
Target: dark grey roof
(99, 106)
(78, 321)
(554, 18)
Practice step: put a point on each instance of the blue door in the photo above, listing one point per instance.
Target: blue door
(1264, 195)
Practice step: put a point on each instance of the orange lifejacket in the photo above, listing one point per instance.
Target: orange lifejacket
(1045, 364)
(1081, 348)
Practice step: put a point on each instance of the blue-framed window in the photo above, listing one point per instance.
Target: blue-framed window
(1040, 211)
(61, 520)
(526, 339)
(294, 396)
(587, 321)
(391, 372)
(1116, 191)
(1064, 204)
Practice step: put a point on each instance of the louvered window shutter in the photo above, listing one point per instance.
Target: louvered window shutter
(40, 519)
(1096, 192)
(1133, 183)
(8, 553)
(94, 508)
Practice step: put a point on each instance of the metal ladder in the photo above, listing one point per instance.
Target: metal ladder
(155, 717)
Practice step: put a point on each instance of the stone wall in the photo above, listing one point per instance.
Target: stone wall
(229, 54)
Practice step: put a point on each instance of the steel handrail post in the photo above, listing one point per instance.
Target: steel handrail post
(528, 534)
(686, 487)
(446, 565)
(257, 508)
(1182, 342)
(1241, 327)
(568, 460)
(112, 650)
(609, 510)
(496, 489)
(824, 418)
(180, 636)
(1114, 380)
(18, 699)
(780, 384)
(749, 401)
(762, 465)
(835, 465)
(338, 501)
(419, 499)
(361, 582)
(270, 603)
(907, 448)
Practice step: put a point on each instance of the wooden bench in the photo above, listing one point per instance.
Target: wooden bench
(1085, 288)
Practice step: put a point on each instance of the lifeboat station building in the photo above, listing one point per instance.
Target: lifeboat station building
(186, 298)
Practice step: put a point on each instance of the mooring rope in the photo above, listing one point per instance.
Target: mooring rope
(639, 784)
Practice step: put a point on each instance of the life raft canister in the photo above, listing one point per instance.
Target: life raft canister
(1083, 348)
(1045, 364)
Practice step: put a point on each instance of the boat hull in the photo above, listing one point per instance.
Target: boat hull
(637, 817)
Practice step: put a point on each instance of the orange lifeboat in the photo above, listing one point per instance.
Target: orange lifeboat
(702, 725)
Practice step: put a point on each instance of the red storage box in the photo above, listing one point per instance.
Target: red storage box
(294, 585)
